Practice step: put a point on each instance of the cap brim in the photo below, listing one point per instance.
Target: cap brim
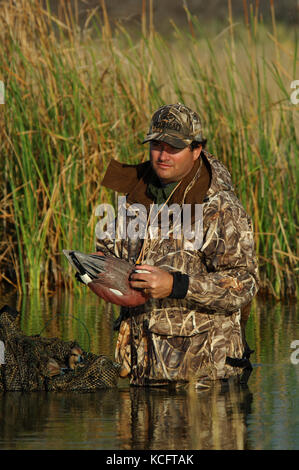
(169, 139)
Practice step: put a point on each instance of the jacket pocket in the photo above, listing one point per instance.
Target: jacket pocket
(177, 321)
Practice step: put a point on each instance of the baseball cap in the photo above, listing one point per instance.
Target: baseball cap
(175, 124)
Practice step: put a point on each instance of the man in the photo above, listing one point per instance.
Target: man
(189, 330)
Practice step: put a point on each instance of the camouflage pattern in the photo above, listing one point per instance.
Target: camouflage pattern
(175, 124)
(169, 340)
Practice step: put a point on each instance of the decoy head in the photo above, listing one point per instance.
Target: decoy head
(107, 276)
(75, 357)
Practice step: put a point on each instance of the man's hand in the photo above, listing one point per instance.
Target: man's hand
(157, 283)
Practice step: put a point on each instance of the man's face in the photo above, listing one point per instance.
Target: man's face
(172, 164)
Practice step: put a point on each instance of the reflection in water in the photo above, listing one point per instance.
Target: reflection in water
(262, 416)
(161, 419)
(131, 418)
(58, 420)
(274, 422)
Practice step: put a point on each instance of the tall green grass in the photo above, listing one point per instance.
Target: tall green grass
(77, 97)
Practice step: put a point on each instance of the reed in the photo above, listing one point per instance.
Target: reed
(75, 97)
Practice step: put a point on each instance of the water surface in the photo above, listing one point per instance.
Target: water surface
(262, 415)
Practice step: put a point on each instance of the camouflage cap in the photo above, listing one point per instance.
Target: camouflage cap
(175, 124)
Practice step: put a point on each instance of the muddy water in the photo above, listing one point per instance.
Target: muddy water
(263, 415)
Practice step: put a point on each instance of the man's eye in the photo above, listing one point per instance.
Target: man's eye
(173, 150)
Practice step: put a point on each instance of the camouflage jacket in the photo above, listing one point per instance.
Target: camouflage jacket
(223, 273)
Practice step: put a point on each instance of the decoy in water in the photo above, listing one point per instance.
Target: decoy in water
(107, 276)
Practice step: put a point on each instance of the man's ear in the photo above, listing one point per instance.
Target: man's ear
(197, 152)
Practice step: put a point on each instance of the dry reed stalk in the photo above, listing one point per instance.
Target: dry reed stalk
(107, 27)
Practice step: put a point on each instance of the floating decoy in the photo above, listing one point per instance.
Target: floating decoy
(107, 276)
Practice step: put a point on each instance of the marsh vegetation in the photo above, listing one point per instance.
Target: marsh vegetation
(77, 96)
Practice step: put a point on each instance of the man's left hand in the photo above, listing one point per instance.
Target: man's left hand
(157, 283)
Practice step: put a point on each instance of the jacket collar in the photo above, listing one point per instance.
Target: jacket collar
(133, 180)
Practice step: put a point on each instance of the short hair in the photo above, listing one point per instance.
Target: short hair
(195, 144)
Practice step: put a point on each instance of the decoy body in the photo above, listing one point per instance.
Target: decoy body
(53, 368)
(107, 276)
(75, 358)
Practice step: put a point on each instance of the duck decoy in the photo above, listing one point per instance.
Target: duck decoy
(53, 368)
(107, 276)
(74, 359)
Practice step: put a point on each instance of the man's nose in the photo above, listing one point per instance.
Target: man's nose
(163, 155)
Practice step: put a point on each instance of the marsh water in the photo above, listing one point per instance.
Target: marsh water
(262, 415)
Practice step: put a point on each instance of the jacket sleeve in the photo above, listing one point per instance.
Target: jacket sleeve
(231, 277)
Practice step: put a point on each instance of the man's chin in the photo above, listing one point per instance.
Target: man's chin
(165, 180)
(164, 174)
